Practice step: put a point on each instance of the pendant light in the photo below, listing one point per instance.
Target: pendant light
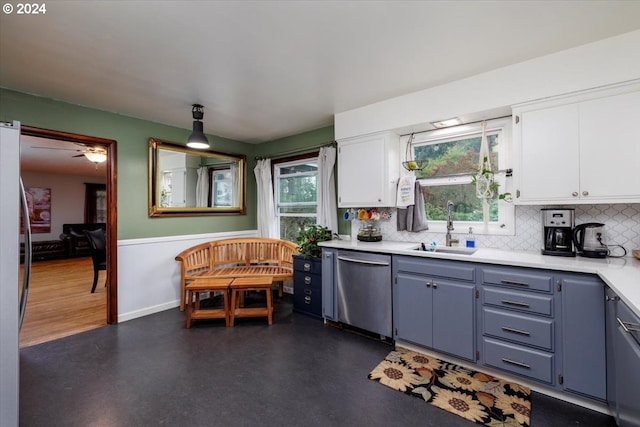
(197, 139)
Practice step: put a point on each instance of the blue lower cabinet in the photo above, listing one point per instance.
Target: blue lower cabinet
(584, 361)
(328, 268)
(432, 311)
(307, 286)
(520, 360)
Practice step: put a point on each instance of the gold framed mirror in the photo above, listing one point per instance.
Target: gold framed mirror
(188, 182)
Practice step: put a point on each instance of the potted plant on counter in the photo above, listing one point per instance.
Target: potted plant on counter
(309, 238)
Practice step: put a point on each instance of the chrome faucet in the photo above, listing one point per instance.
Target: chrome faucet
(448, 239)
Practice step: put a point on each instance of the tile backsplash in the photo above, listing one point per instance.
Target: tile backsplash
(622, 227)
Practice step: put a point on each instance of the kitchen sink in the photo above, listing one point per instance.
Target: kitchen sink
(449, 250)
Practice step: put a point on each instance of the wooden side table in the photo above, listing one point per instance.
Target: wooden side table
(199, 285)
(258, 283)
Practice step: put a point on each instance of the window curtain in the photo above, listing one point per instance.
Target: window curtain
(267, 220)
(327, 209)
(202, 187)
(233, 168)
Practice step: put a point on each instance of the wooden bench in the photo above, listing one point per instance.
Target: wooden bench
(237, 257)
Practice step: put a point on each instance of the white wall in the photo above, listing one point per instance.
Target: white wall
(67, 198)
(596, 64)
(149, 275)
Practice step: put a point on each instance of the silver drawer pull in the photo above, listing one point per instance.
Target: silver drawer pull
(307, 280)
(307, 291)
(307, 266)
(307, 300)
(516, 303)
(513, 362)
(513, 282)
(628, 326)
(515, 331)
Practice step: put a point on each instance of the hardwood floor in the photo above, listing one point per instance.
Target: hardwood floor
(60, 302)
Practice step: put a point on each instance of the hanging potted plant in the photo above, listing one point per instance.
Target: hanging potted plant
(486, 185)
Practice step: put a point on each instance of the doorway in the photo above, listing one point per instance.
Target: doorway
(109, 147)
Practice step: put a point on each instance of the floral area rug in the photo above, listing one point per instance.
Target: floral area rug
(476, 396)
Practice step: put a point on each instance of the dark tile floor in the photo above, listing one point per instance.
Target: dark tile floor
(298, 372)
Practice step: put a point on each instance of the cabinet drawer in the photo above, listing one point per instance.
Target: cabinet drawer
(435, 268)
(519, 360)
(518, 278)
(307, 265)
(307, 280)
(308, 301)
(521, 301)
(517, 327)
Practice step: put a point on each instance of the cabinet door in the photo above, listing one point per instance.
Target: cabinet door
(627, 359)
(547, 155)
(453, 318)
(367, 171)
(328, 284)
(412, 313)
(583, 336)
(610, 148)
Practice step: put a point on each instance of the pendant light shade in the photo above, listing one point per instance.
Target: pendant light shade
(197, 139)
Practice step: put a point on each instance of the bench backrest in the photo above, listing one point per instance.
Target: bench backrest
(237, 251)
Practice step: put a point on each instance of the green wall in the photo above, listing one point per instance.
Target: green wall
(132, 136)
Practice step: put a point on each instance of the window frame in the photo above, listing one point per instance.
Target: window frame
(276, 165)
(505, 226)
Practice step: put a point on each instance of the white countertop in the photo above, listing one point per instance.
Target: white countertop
(622, 275)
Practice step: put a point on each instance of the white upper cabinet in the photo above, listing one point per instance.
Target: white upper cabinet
(368, 170)
(579, 149)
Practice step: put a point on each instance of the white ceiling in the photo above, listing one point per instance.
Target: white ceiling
(269, 69)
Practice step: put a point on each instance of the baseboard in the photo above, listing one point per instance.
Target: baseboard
(147, 311)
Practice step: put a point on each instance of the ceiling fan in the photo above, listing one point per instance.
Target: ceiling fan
(94, 154)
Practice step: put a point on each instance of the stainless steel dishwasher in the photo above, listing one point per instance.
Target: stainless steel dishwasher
(364, 291)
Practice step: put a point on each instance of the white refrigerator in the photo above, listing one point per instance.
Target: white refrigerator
(9, 271)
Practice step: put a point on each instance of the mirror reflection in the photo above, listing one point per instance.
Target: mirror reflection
(184, 181)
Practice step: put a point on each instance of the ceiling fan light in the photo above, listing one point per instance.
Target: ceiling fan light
(95, 156)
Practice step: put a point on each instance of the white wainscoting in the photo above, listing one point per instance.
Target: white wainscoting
(149, 275)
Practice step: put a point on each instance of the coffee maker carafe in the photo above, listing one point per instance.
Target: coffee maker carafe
(589, 240)
(558, 232)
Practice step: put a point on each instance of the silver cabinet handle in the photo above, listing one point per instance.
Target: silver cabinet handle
(306, 266)
(307, 300)
(513, 362)
(435, 285)
(516, 331)
(307, 280)
(585, 193)
(574, 194)
(628, 326)
(516, 303)
(513, 282)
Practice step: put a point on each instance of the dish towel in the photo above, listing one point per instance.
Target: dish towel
(405, 195)
(413, 218)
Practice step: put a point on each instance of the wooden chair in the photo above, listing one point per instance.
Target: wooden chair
(98, 244)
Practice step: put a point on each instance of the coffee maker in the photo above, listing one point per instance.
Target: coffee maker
(558, 232)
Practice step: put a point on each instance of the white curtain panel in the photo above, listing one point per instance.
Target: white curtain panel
(202, 187)
(267, 220)
(234, 184)
(327, 208)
